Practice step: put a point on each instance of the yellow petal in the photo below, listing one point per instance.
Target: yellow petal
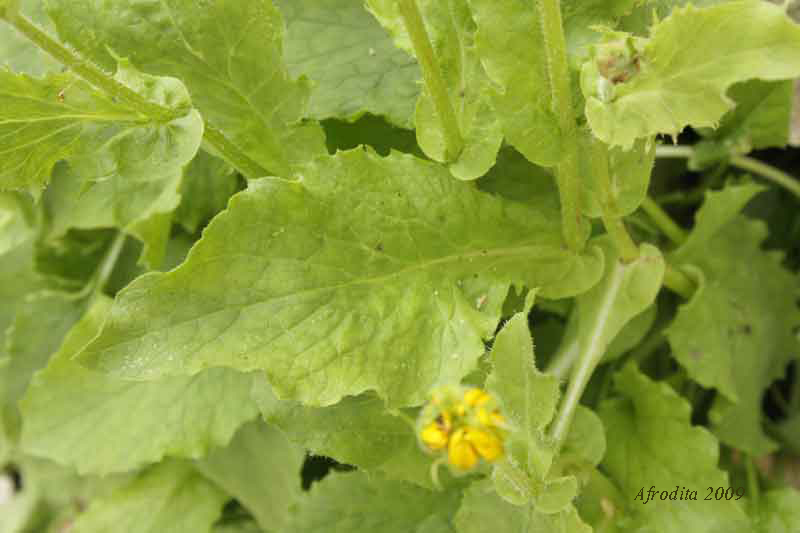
(488, 445)
(434, 436)
(460, 452)
(475, 397)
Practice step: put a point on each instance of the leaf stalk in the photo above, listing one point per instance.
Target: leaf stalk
(568, 174)
(432, 74)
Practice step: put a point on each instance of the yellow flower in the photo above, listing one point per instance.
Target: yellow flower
(486, 443)
(460, 451)
(464, 425)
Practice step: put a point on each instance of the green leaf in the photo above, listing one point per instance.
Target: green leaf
(626, 290)
(100, 424)
(529, 400)
(358, 431)
(586, 440)
(208, 183)
(639, 19)
(41, 321)
(132, 180)
(629, 174)
(760, 120)
(511, 47)
(17, 279)
(736, 333)
(683, 70)
(651, 443)
(261, 469)
(778, 511)
(353, 63)
(69, 262)
(343, 503)
(168, 497)
(483, 510)
(409, 272)
(229, 55)
(17, 220)
(44, 121)
(18, 53)
(452, 34)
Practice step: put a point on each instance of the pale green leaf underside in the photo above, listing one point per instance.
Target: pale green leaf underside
(651, 442)
(735, 334)
(229, 55)
(344, 503)
(358, 431)
(688, 63)
(352, 62)
(100, 424)
(370, 273)
(169, 497)
(261, 469)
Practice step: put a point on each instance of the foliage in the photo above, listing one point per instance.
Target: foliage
(433, 241)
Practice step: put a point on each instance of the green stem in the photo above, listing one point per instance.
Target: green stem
(664, 222)
(752, 480)
(561, 91)
(678, 282)
(744, 162)
(152, 111)
(432, 74)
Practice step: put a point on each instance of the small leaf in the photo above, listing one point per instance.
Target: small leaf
(691, 58)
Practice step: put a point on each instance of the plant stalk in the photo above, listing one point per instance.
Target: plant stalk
(752, 480)
(432, 74)
(678, 282)
(744, 162)
(568, 170)
(150, 110)
(664, 222)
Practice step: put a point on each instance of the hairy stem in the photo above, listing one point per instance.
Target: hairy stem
(432, 74)
(663, 221)
(744, 162)
(568, 170)
(150, 110)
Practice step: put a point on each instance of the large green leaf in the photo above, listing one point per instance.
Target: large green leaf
(483, 510)
(685, 67)
(370, 273)
(169, 497)
(358, 431)
(261, 469)
(229, 55)
(778, 511)
(17, 220)
(18, 53)
(344, 503)
(651, 443)
(736, 333)
(100, 424)
(353, 63)
(452, 31)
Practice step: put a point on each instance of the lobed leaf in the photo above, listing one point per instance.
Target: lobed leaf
(687, 64)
